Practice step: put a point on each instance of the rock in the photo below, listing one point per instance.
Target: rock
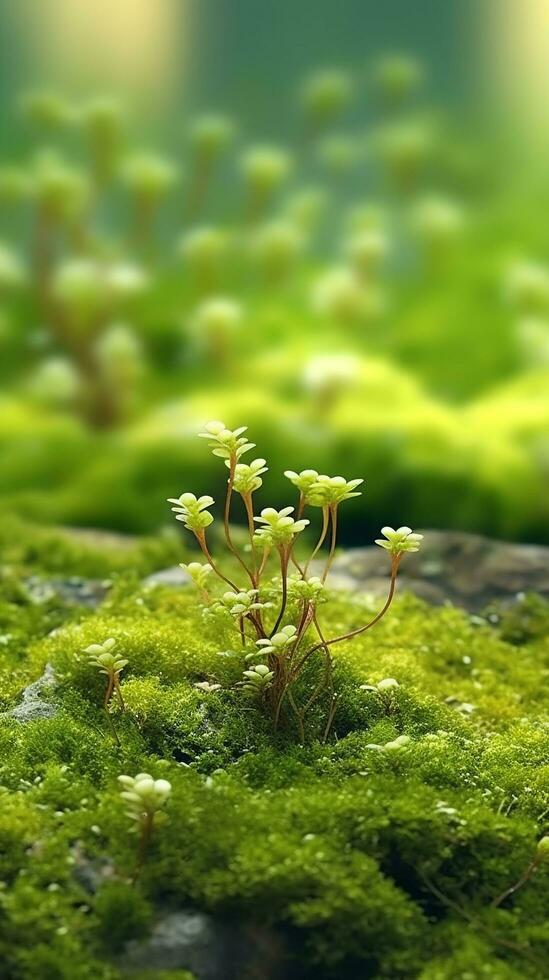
(36, 702)
(180, 940)
(465, 569)
(174, 576)
(73, 591)
(210, 948)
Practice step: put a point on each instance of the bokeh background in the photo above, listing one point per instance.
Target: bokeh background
(326, 221)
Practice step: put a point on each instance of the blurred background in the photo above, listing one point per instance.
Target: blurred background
(325, 221)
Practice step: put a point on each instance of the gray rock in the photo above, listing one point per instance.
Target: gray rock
(174, 576)
(36, 700)
(211, 948)
(180, 940)
(465, 569)
(73, 591)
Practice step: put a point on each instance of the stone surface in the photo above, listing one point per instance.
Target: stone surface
(36, 700)
(73, 591)
(210, 948)
(465, 569)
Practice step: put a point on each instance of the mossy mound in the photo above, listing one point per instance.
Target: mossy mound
(362, 861)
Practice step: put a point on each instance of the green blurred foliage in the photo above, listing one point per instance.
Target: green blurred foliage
(374, 298)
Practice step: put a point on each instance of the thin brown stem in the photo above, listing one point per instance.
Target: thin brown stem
(247, 498)
(361, 629)
(201, 538)
(331, 556)
(226, 517)
(525, 876)
(320, 542)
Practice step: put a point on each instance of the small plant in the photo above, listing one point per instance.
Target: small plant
(277, 619)
(144, 798)
(100, 655)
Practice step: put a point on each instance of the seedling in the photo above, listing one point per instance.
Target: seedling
(100, 655)
(144, 798)
(278, 645)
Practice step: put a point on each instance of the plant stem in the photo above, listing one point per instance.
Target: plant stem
(525, 876)
(333, 515)
(284, 558)
(226, 515)
(201, 538)
(325, 519)
(361, 629)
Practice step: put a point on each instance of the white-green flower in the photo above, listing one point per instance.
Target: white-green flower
(198, 571)
(279, 528)
(333, 490)
(192, 511)
(100, 655)
(279, 642)
(241, 603)
(400, 541)
(247, 477)
(306, 589)
(226, 443)
(143, 795)
(303, 481)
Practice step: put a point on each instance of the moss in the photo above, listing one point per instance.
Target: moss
(364, 861)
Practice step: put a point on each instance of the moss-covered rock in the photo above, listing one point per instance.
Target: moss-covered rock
(382, 852)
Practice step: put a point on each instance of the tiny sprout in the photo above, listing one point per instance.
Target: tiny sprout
(400, 541)
(192, 511)
(144, 798)
(227, 443)
(279, 528)
(100, 655)
(258, 680)
(325, 94)
(241, 603)
(278, 643)
(247, 477)
(207, 687)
